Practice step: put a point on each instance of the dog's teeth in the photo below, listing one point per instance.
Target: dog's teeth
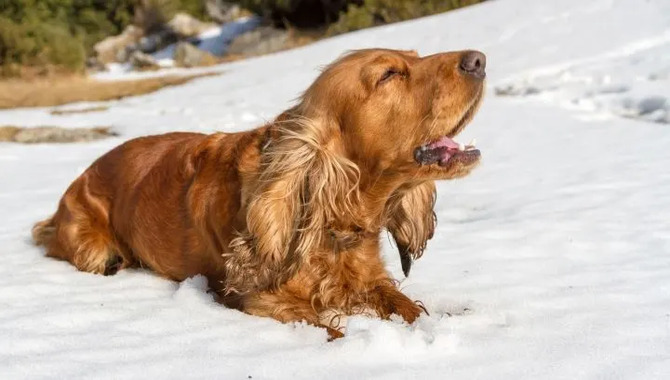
(473, 142)
(423, 148)
(461, 147)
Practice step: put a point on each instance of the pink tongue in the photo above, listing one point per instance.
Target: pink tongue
(443, 142)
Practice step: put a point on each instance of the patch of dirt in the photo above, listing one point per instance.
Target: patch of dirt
(48, 134)
(61, 90)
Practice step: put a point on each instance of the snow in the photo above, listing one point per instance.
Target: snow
(632, 83)
(551, 261)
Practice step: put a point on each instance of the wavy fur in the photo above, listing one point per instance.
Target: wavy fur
(303, 185)
(283, 220)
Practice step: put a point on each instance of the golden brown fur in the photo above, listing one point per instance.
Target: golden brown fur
(284, 220)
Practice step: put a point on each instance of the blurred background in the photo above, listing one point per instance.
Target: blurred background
(46, 37)
(50, 48)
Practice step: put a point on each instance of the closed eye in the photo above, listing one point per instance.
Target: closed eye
(388, 74)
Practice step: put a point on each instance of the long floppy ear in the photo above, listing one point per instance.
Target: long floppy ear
(304, 184)
(411, 221)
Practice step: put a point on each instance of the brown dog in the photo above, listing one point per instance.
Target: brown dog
(285, 220)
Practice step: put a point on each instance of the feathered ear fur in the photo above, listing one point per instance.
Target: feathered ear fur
(305, 183)
(411, 221)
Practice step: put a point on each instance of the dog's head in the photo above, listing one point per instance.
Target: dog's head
(371, 114)
(399, 112)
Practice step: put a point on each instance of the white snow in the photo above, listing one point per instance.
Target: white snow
(552, 261)
(633, 82)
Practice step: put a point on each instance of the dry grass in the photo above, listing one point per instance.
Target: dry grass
(48, 134)
(61, 90)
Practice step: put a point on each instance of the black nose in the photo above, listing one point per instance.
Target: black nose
(474, 63)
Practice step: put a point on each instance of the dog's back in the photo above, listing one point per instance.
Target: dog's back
(135, 206)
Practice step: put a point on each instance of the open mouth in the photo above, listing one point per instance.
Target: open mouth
(445, 151)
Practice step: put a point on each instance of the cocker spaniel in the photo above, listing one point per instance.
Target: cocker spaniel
(285, 220)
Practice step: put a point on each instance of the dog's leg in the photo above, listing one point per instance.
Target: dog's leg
(80, 233)
(286, 307)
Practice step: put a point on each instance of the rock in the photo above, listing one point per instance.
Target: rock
(53, 134)
(156, 41)
(112, 48)
(223, 11)
(122, 55)
(260, 41)
(187, 55)
(93, 64)
(185, 25)
(142, 61)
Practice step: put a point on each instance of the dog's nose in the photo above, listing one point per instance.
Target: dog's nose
(474, 63)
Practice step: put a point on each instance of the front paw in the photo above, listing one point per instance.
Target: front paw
(392, 301)
(409, 311)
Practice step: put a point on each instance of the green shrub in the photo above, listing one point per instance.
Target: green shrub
(347, 15)
(379, 12)
(354, 18)
(195, 8)
(150, 15)
(62, 33)
(61, 49)
(56, 33)
(298, 13)
(39, 44)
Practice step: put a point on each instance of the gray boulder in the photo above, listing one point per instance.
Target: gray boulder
(185, 25)
(113, 49)
(222, 11)
(260, 41)
(142, 61)
(187, 55)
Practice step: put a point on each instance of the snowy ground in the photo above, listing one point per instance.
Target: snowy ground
(633, 82)
(552, 261)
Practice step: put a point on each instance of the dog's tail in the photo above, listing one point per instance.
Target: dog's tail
(44, 231)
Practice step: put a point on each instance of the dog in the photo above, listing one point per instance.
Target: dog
(285, 220)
